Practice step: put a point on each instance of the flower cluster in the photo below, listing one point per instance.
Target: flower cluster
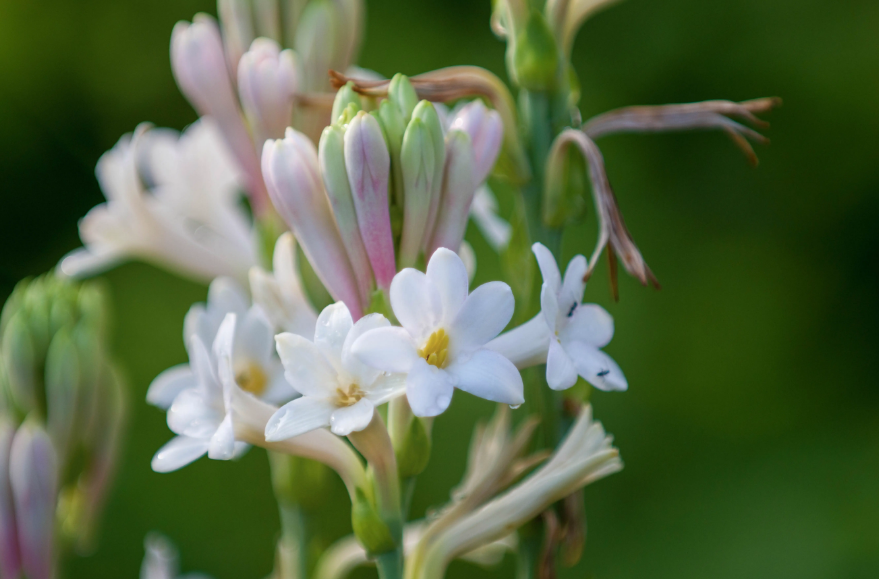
(341, 317)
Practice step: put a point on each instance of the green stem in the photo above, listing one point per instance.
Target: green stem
(293, 561)
(390, 565)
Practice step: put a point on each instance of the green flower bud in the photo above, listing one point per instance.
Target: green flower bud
(348, 114)
(392, 123)
(418, 162)
(370, 530)
(567, 186)
(63, 387)
(536, 58)
(345, 97)
(403, 96)
(426, 112)
(414, 452)
(19, 359)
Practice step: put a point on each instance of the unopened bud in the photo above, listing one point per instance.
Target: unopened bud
(402, 95)
(370, 530)
(486, 130)
(413, 453)
(368, 163)
(344, 97)
(33, 473)
(536, 58)
(418, 163)
(564, 196)
(459, 186)
(267, 80)
(331, 155)
(315, 41)
(19, 360)
(10, 561)
(63, 387)
(394, 127)
(427, 113)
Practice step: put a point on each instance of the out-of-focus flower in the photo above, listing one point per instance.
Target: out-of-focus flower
(441, 344)
(586, 455)
(280, 293)
(338, 390)
(567, 335)
(267, 83)
(483, 212)
(171, 201)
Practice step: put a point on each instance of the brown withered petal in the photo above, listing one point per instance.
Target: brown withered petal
(573, 532)
(707, 115)
(612, 231)
(546, 567)
(453, 83)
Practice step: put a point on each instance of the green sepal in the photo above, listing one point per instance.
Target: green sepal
(402, 95)
(345, 98)
(370, 530)
(393, 125)
(536, 56)
(567, 186)
(413, 454)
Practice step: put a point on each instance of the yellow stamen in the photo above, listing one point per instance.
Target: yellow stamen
(349, 396)
(252, 379)
(436, 350)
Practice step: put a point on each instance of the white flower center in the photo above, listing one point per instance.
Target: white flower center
(350, 395)
(251, 378)
(436, 350)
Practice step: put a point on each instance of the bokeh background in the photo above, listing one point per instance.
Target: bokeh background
(751, 428)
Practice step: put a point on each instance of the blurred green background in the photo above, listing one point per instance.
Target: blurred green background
(751, 428)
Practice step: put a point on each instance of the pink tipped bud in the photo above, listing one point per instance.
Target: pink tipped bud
(369, 163)
(267, 79)
(199, 65)
(10, 562)
(293, 177)
(34, 477)
(486, 130)
(459, 186)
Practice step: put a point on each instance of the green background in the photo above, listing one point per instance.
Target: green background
(751, 428)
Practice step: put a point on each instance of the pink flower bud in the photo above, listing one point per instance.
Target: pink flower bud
(10, 563)
(369, 164)
(33, 474)
(293, 177)
(199, 65)
(459, 186)
(267, 79)
(486, 132)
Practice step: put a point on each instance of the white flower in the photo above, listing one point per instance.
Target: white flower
(187, 218)
(483, 212)
(338, 390)
(280, 293)
(441, 344)
(160, 560)
(198, 411)
(567, 334)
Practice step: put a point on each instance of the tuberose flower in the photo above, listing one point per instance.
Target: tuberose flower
(441, 344)
(338, 390)
(566, 335)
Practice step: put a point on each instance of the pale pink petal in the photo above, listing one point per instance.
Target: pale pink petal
(459, 187)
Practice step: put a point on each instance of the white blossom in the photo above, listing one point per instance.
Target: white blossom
(566, 335)
(160, 560)
(338, 390)
(440, 345)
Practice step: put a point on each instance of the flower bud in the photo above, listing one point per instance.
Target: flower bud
(236, 22)
(368, 163)
(344, 97)
(293, 177)
(371, 531)
(486, 130)
(392, 122)
(427, 113)
(402, 95)
(459, 186)
(331, 155)
(198, 63)
(267, 80)
(10, 562)
(316, 37)
(418, 163)
(19, 359)
(413, 453)
(564, 196)
(33, 474)
(536, 56)
(63, 387)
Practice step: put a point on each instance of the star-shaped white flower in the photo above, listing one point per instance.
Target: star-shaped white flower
(567, 335)
(441, 344)
(338, 390)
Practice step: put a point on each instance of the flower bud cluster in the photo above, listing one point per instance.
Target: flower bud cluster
(386, 188)
(62, 409)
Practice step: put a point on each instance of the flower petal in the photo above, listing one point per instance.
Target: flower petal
(428, 389)
(573, 285)
(203, 367)
(489, 375)
(484, 315)
(253, 337)
(596, 367)
(353, 418)
(590, 324)
(526, 345)
(560, 371)
(388, 349)
(194, 414)
(222, 445)
(178, 452)
(167, 385)
(548, 267)
(278, 391)
(305, 367)
(415, 302)
(363, 374)
(298, 417)
(549, 306)
(333, 324)
(447, 273)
